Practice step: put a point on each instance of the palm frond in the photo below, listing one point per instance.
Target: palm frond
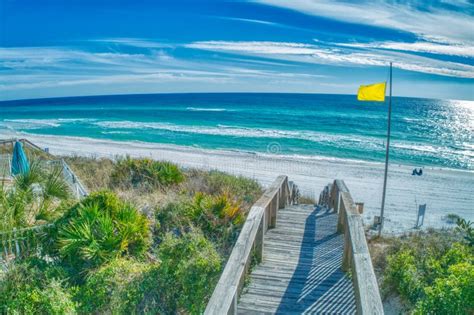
(55, 186)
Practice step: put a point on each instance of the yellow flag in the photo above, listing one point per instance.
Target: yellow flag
(373, 92)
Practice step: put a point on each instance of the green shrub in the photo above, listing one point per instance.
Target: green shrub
(402, 273)
(452, 294)
(434, 279)
(145, 173)
(189, 269)
(118, 287)
(99, 229)
(172, 217)
(218, 216)
(466, 228)
(35, 287)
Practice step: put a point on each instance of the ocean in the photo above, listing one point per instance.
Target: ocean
(425, 132)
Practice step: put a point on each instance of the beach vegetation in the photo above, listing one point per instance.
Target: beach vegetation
(32, 198)
(189, 264)
(219, 217)
(119, 287)
(101, 228)
(145, 173)
(35, 286)
(466, 229)
(432, 272)
(451, 218)
(94, 172)
(305, 199)
(246, 190)
(138, 244)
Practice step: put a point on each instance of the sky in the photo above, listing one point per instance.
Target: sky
(54, 48)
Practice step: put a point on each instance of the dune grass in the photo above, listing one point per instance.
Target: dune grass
(151, 238)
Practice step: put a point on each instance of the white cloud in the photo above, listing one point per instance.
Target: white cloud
(263, 66)
(338, 56)
(257, 47)
(27, 68)
(247, 20)
(425, 47)
(443, 24)
(134, 42)
(59, 81)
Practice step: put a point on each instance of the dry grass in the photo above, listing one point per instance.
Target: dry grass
(95, 174)
(307, 200)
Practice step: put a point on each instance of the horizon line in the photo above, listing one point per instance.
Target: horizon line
(188, 93)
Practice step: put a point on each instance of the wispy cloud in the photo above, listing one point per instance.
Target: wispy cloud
(465, 50)
(27, 68)
(134, 42)
(430, 22)
(247, 20)
(308, 53)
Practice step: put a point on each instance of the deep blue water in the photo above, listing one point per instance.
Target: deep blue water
(425, 132)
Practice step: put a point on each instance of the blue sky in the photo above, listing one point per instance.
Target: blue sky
(52, 48)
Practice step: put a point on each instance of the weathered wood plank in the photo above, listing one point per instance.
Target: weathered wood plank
(301, 271)
(302, 259)
(356, 254)
(261, 216)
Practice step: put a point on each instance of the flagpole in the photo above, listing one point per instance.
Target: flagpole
(386, 154)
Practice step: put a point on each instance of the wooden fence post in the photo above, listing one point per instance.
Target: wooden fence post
(17, 246)
(259, 241)
(347, 253)
(341, 215)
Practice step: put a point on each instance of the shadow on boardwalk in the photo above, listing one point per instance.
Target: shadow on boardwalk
(318, 285)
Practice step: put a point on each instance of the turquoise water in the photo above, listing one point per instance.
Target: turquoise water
(425, 132)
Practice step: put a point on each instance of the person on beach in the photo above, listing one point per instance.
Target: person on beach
(417, 172)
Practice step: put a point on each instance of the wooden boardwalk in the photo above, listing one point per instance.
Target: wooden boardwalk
(301, 269)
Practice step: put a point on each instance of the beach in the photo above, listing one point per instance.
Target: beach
(444, 191)
(312, 138)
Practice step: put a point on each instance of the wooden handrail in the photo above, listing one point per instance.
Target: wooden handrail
(25, 142)
(261, 217)
(356, 256)
(72, 180)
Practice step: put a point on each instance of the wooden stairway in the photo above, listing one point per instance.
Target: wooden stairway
(301, 269)
(302, 255)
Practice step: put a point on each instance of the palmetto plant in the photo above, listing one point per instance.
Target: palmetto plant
(35, 195)
(99, 229)
(90, 237)
(26, 204)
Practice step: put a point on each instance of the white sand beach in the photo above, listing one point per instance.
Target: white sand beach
(443, 190)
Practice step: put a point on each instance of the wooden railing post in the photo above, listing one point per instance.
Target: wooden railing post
(356, 256)
(274, 206)
(261, 216)
(347, 252)
(341, 215)
(259, 241)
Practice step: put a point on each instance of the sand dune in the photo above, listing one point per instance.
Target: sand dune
(443, 190)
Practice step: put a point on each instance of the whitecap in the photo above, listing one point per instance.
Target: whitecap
(42, 123)
(247, 132)
(205, 109)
